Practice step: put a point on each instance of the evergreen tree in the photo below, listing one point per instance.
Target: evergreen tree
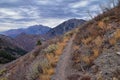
(39, 42)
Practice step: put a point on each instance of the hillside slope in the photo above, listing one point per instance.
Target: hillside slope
(42, 60)
(9, 50)
(27, 41)
(96, 51)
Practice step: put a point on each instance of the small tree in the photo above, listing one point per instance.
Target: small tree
(39, 42)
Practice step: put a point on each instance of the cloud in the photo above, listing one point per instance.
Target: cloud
(23, 13)
(80, 4)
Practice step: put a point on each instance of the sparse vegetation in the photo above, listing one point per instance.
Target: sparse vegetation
(52, 54)
(2, 71)
(50, 49)
(98, 35)
(3, 79)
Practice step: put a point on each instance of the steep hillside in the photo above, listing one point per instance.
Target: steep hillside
(36, 29)
(9, 50)
(65, 27)
(28, 41)
(96, 52)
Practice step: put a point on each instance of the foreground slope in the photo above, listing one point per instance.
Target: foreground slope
(97, 50)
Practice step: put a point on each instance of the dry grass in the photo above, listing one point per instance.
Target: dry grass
(101, 24)
(112, 41)
(96, 52)
(86, 59)
(52, 55)
(98, 41)
(115, 37)
(87, 40)
(76, 47)
(50, 71)
(117, 34)
(44, 77)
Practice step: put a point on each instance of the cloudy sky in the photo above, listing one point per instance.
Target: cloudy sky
(23, 13)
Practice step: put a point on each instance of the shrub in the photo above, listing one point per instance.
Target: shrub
(34, 71)
(45, 64)
(50, 48)
(52, 59)
(2, 71)
(39, 42)
(69, 34)
(106, 19)
(3, 79)
(87, 40)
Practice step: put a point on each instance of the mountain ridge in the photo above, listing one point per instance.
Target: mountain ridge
(65, 27)
(35, 29)
(28, 41)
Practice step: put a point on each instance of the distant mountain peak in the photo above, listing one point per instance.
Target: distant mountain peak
(35, 29)
(65, 27)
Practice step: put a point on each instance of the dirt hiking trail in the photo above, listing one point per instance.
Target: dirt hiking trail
(63, 62)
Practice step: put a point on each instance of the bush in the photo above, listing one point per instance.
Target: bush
(3, 79)
(39, 42)
(33, 72)
(51, 48)
(2, 71)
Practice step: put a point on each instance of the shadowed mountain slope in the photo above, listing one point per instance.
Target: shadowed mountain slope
(9, 50)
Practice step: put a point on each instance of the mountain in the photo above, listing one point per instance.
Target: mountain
(9, 50)
(89, 52)
(27, 41)
(36, 29)
(65, 27)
